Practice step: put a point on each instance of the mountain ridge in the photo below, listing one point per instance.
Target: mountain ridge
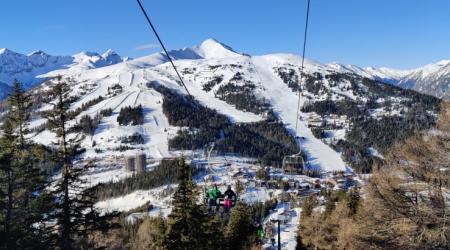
(245, 89)
(33, 68)
(37, 66)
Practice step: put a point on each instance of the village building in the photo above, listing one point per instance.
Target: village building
(300, 195)
(337, 181)
(315, 123)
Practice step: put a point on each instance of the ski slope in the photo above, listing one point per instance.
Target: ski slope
(133, 75)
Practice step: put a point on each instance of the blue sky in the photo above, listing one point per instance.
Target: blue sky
(400, 34)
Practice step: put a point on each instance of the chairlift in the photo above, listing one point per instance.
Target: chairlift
(269, 232)
(219, 201)
(293, 164)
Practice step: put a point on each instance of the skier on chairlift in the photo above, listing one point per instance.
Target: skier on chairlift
(229, 197)
(214, 194)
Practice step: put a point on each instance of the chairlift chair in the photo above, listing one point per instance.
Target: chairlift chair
(293, 164)
(220, 201)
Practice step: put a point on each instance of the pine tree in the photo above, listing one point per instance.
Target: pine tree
(329, 206)
(150, 234)
(298, 239)
(8, 177)
(307, 207)
(185, 223)
(159, 225)
(237, 234)
(353, 199)
(74, 211)
(214, 232)
(19, 176)
(20, 104)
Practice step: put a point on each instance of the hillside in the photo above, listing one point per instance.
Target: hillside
(244, 109)
(432, 79)
(245, 89)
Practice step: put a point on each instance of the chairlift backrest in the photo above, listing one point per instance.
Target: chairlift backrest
(293, 164)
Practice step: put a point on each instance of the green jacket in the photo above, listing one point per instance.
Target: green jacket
(215, 193)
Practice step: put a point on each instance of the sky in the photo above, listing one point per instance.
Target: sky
(399, 34)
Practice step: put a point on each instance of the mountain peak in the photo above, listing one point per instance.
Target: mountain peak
(37, 52)
(211, 48)
(89, 54)
(335, 65)
(4, 50)
(443, 62)
(112, 57)
(210, 40)
(110, 52)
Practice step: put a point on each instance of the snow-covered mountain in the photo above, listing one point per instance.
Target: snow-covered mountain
(198, 66)
(207, 70)
(421, 74)
(387, 75)
(432, 79)
(209, 49)
(38, 66)
(33, 68)
(210, 72)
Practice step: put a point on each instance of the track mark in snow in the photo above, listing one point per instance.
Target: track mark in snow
(156, 121)
(132, 79)
(109, 100)
(126, 78)
(157, 152)
(137, 97)
(123, 100)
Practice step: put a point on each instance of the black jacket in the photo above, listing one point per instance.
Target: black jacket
(229, 194)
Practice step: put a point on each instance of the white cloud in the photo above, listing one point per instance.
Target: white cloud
(147, 46)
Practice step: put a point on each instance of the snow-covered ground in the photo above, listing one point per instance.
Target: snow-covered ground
(197, 66)
(287, 230)
(136, 199)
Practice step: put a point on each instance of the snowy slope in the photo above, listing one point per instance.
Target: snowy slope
(433, 79)
(26, 68)
(388, 75)
(91, 76)
(211, 48)
(285, 101)
(133, 75)
(421, 73)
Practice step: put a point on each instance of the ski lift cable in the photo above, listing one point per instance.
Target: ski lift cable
(296, 160)
(173, 65)
(167, 54)
(301, 69)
